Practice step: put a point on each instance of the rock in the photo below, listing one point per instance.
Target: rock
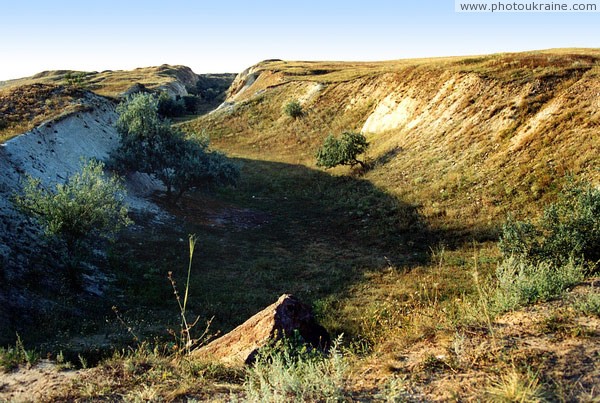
(283, 317)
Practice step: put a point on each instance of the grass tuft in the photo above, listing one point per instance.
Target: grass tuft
(12, 357)
(514, 386)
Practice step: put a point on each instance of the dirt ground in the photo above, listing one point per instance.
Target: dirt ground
(35, 383)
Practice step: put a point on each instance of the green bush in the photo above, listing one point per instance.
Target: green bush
(588, 304)
(191, 103)
(521, 283)
(86, 207)
(169, 107)
(151, 145)
(293, 109)
(286, 373)
(568, 228)
(342, 151)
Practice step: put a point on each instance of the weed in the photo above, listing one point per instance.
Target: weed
(83, 361)
(561, 324)
(12, 357)
(522, 283)
(125, 324)
(438, 254)
(588, 303)
(62, 363)
(393, 390)
(284, 374)
(185, 342)
(514, 386)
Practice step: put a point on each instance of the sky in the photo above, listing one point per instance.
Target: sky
(229, 36)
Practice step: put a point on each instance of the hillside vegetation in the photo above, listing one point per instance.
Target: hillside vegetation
(467, 139)
(112, 83)
(27, 102)
(464, 141)
(400, 259)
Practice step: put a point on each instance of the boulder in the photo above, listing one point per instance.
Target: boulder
(284, 317)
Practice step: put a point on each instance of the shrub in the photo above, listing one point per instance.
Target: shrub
(588, 304)
(75, 80)
(521, 283)
(151, 145)
(285, 373)
(169, 107)
(342, 151)
(568, 228)
(86, 207)
(191, 103)
(293, 109)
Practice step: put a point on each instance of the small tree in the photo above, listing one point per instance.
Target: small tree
(86, 207)
(151, 145)
(190, 164)
(342, 151)
(294, 109)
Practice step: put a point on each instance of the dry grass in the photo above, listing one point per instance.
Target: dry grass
(26, 103)
(482, 136)
(147, 374)
(514, 386)
(110, 83)
(25, 107)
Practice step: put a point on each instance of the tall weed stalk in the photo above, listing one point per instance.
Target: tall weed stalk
(184, 341)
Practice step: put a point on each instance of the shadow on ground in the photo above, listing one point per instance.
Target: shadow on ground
(284, 229)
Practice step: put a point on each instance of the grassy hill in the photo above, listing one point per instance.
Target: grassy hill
(109, 83)
(468, 139)
(401, 258)
(27, 102)
(464, 141)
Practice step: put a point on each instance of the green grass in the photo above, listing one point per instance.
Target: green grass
(284, 229)
(13, 356)
(284, 374)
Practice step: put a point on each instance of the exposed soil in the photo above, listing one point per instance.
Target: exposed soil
(35, 383)
(208, 211)
(550, 341)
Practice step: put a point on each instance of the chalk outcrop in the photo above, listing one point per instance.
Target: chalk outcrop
(50, 152)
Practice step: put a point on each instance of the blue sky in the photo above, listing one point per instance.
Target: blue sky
(228, 36)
